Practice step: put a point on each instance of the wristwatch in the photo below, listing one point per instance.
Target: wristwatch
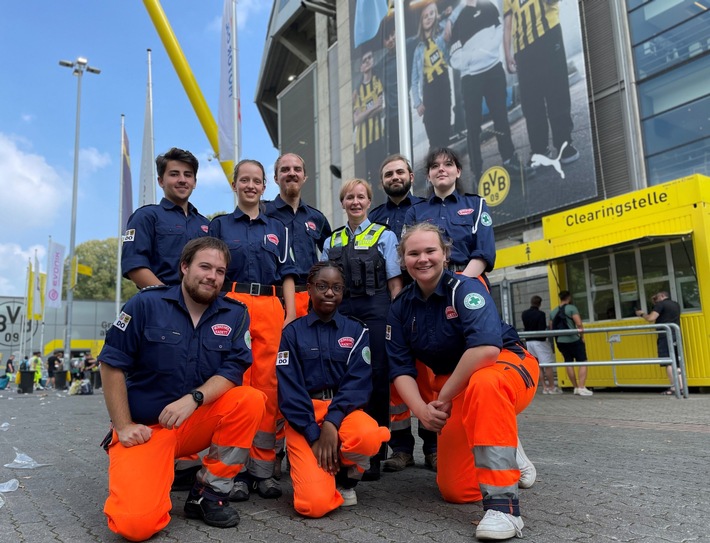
(198, 397)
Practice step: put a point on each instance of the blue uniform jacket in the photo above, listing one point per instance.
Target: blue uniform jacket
(164, 356)
(155, 237)
(260, 248)
(459, 315)
(393, 214)
(316, 355)
(466, 221)
(308, 228)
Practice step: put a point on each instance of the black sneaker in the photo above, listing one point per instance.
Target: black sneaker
(216, 513)
(570, 154)
(185, 478)
(268, 488)
(373, 473)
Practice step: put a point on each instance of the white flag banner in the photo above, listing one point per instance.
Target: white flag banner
(37, 291)
(55, 276)
(228, 114)
(147, 173)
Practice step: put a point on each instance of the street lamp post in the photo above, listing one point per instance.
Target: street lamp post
(79, 66)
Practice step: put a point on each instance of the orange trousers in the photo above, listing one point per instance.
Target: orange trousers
(476, 447)
(314, 492)
(302, 300)
(139, 477)
(266, 316)
(400, 415)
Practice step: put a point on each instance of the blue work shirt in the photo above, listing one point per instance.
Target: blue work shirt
(260, 248)
(457, 316)
(155, 237)
(386, 246)
(164, 356)
(315, 356)
(465, 220)
(393, 214)
(308, 228)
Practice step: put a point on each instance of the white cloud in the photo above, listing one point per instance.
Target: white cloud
(27, 117)
(13, 267)
(32, 189)
(211, 173)
(91, 160)
(245, 10)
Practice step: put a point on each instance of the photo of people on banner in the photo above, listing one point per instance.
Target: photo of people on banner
(501, 82)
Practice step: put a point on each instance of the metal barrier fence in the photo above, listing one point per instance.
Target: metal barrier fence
(668, 329)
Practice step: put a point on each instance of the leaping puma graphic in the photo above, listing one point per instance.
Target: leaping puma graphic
(541, 160)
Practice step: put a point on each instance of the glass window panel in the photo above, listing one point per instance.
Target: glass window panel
(689, 294)
(678, 126)
(659, 15)
(496, 295)
(673, 46)
(651, 288)
(629, 299)
(683, 258)
(635, 3)
(679, 162)
(603, 305)
(600, 270)
(577, 285)
(653, 262)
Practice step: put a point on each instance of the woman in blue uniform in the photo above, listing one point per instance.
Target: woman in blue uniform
(464, 218)
(325, 380)
(483, 377)
(368, 254)
(261, 270)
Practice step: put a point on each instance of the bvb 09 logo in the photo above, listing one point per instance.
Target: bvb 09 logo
(11, 325)
(494, 185)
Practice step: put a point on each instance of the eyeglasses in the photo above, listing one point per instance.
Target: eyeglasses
(323, 288)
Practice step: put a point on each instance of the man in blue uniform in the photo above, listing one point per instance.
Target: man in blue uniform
(307, 226)
(171, 369)
(156, 234)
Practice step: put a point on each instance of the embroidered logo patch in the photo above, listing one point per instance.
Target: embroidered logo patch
(130, 235)
(451, 312)
(346, 342)
(388, 332)
(466, 211)
(273, 238)
(486, 219)
(474, 301)
(247, 339)
(310, 225)
(366, 356)
(122, 321)
(221, 330)
(204, 228)
(282, 358)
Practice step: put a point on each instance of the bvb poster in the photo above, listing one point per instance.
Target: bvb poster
(501, 82)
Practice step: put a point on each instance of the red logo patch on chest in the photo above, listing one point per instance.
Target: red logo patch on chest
(467, 211)
(346, 342)
(451, 313)
(311, 225)
(273, 238)
(221, 329)
(204, 228)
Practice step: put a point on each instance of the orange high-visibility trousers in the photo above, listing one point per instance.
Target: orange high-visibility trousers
(400, 415)
(139, 477)
(266, 316)
(476, 447)
(302, 299)
(314, 492)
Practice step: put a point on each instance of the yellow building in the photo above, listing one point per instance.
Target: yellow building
(613, 255)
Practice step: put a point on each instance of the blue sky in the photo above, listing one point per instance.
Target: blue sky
(38, 112)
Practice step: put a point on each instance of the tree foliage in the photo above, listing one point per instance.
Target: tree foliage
(100, 256)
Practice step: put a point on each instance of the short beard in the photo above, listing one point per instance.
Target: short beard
(200, 298)
(397, 192)
(292, 191)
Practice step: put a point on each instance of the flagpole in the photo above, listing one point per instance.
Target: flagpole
(120, 218)
(237, 94)
(405, 126)
(25, 304)
(44, 305)
(36, 277)
(147, 172)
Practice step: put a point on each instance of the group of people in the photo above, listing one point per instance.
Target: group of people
(393, 317)
(43, 373)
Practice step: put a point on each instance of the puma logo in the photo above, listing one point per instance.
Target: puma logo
(541, 160)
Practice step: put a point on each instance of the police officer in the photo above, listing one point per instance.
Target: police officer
(260, 274)
(171, 369)
(368, 254)
(397, 177)
(307, 226)
(325, 380)
(482, 374)
(463, 217)
(156, 234)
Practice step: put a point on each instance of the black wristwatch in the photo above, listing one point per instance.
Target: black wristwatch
(198, 397)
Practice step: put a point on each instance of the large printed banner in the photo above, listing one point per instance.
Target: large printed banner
(501, 82)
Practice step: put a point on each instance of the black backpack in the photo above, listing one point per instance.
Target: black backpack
(559, 322)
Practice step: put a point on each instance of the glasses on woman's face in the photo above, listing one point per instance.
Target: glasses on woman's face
(323, 288)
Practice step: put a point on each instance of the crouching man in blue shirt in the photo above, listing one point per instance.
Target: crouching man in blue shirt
(171, 369)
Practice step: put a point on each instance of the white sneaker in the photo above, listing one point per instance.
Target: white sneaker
(498, 525)
(528, 473)
(583, 391)
(349, 496)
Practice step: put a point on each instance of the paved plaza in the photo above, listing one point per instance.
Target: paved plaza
(615, 467)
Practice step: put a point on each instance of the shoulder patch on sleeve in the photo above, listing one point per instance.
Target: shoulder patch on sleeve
(474, 301)
(282, 358)
(130, 235)
(122, 321)
(247, 339)
(366, 356)
(388, 332)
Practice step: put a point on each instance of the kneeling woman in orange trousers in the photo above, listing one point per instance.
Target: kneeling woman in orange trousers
(324, 381)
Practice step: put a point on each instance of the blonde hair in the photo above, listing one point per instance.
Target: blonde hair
(351, 184)
(409, 231)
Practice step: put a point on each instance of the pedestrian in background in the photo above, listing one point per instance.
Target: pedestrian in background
(535, 320)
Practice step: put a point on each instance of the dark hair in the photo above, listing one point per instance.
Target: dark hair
(536, 301)
(392, 158)
(176, 154)
(564, 295)
(449, 154)
(278, 161)
(323, 265)
(198, 244)
(249, 161)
